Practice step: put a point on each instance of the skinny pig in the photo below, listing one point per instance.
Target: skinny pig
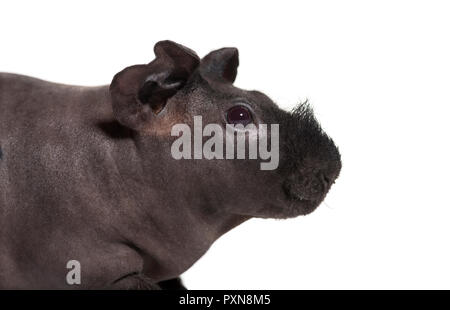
(87, 173)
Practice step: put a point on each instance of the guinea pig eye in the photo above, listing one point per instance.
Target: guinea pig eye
(239, 115)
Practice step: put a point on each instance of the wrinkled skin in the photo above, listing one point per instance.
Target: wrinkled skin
(86, 173)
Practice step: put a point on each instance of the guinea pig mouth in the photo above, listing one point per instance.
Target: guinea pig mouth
(303, 197)
(295, 207)
(286, 205)
(313, 189)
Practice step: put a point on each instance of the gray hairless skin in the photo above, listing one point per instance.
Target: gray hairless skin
(86, 173)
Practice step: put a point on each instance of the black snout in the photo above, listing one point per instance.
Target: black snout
(311, 159)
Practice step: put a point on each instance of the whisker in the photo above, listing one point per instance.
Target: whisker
(328, 206)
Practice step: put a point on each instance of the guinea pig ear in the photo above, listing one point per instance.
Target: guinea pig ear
(140, 92)
(220, 65)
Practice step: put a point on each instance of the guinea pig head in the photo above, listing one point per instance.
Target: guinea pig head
(290, 172)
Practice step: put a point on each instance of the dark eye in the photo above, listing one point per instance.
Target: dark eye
(239, 115)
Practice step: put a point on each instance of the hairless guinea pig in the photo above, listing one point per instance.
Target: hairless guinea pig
(98, 192)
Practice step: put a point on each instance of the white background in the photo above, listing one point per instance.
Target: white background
(377, 74)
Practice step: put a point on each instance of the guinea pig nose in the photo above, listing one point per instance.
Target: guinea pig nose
(328, 176)
(327, 180)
